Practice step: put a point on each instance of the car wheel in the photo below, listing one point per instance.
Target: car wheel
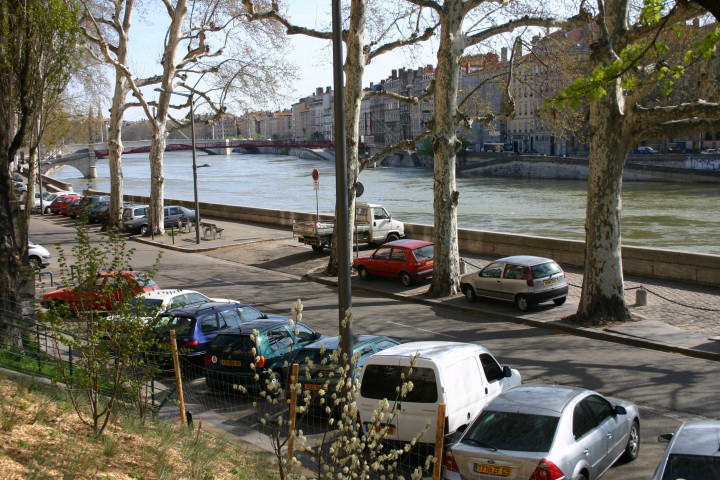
(522, 303)
(35, 263)
(632, 449)
(559, 301)
(469, 292)
(406, 279)
(392, 237)
(143, 229)
(363, 273)
(318, 248)
(581, 477)
(47, 210)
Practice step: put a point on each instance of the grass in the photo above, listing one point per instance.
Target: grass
(42, 438)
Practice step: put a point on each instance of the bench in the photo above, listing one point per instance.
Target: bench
(185, 223)
(210, 229)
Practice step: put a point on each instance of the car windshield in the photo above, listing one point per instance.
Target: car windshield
(145, 306)
(425, 252)
(513, 431)
(545, 269)
(381, 381)
(181, 325)
(692, 467)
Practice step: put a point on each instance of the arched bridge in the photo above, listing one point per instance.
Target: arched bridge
(84, 160)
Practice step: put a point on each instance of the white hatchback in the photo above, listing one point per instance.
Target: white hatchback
(158, 301)
(523, 279)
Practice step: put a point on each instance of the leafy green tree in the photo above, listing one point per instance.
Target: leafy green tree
(114, 364)
(37, 41)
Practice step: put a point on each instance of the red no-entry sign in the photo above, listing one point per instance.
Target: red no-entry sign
(315, 174)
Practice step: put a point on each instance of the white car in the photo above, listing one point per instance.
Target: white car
(39, 256)
(709, 151)
(158, 301)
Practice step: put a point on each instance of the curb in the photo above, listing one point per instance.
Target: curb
(199, 249)
(554, 325)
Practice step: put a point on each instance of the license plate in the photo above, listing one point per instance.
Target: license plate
(231, 363)
(550, 282)
(378, 429)
(312, 386)
(499, 470)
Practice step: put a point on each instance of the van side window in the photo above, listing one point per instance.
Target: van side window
(492, 370)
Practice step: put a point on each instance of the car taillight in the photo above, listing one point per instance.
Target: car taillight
(449, 462)
(260, 361)
(194, 343)
(546, 470)
(528, 277)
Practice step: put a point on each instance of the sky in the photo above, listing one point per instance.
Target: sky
(313, 57)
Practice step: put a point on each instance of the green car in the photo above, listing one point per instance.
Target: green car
(230, 358)
(314, 374)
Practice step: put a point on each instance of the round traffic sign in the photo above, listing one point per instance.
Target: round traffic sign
(315, 174)
(359, 190)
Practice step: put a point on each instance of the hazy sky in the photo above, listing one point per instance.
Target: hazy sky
(312, 56)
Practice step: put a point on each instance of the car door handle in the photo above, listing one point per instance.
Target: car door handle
(586, 451)
(609, 435)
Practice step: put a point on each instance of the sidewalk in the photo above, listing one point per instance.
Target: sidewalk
(679, 317)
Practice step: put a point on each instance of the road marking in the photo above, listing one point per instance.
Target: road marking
(423, 329)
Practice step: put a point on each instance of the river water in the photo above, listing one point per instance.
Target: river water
(677, 216)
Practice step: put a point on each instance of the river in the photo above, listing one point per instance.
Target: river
(677, 216)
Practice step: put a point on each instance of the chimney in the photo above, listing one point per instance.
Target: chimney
(318, 91)
(394, 74)
(503, 54)
(328, 89)
(382, 82)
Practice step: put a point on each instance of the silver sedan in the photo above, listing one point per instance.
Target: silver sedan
(693, 452)
(548, 432)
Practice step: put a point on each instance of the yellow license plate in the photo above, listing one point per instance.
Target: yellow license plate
(499, 470)
(231, 363)
(312, 386)
(550, 282)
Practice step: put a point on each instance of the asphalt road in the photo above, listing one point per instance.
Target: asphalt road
(668, 388)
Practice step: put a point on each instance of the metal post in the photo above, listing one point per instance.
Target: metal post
(178, 378)
(341, 202)
(197, 203)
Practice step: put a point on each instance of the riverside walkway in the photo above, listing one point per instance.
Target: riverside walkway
(679, 317)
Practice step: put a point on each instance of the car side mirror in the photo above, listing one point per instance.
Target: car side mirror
(620, 410)
(665, 437)
(507, 372)
(317, 335)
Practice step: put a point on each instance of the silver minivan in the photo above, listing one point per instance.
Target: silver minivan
(523, 279)
(134, 218)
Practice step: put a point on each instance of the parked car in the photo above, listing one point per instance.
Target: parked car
(61, 202)
(464, 376)
(90, 200)
(74, 207)
(134, 217)
(158, 301)
(709, 151)
(548, 432)
(198, 324)
(171, 215)
(104, 292)
(39, 256)
(409, 260)
(19, 187)
(693, 452)
(266, 344)
(315, 375)
(93, 211)
(523, 279)
(646, 150)
(48, 199)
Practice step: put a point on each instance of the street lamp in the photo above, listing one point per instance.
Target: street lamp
(194, 165)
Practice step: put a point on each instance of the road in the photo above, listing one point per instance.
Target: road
(668, 388)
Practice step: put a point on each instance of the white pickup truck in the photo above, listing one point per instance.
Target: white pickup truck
(373, 224)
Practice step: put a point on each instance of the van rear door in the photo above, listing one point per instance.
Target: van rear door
(419, 405)
(378, 382)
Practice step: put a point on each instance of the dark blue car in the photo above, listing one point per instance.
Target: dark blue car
(197, 325)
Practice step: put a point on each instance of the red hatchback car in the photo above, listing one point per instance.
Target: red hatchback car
(410, 260)
(104, 293)
(60, 204)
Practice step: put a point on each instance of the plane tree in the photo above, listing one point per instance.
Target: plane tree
(635, 62)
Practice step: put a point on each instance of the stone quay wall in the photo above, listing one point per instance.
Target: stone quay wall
(650, 262)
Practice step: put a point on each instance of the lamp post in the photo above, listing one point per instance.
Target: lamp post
(194, 164)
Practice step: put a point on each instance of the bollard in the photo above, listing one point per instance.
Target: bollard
(641, 297)
(463, 267)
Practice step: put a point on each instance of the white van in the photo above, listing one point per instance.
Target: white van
(464, 376)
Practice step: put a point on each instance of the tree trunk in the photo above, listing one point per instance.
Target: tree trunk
(354, 68)
(156, 221)
(446, 269)
(115, 148)
(603, 298)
